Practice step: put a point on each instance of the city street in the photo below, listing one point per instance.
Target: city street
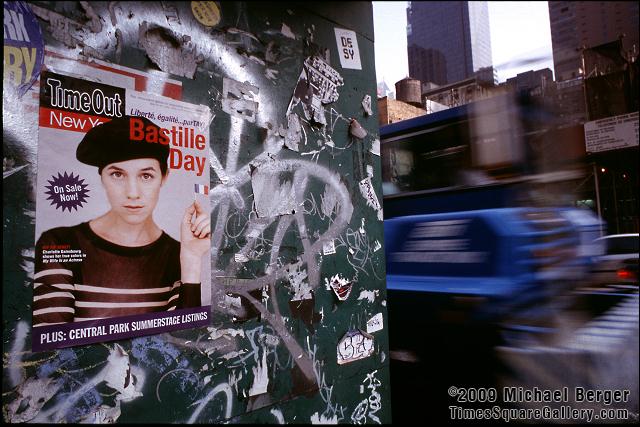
(593, 344)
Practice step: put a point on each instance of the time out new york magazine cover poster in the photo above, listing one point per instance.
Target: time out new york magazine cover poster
(122, 214)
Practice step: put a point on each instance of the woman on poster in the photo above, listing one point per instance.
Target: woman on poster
(124, 263)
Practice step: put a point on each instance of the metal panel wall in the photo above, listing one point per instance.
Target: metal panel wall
(295, 182)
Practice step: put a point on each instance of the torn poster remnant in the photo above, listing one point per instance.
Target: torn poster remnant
(32, 395)
(293, 134)
(368, 295)
(171, 52)
(273, 192)
(260, 377)
(317, 86)
(355, 345)
(240, 99)
(366, 105)
(341, 286)
(375, 147)
(367, 191)
(329, 248)
(61, 28)
(94, 20)
(375, 324)
(286, 31)
(299, 283)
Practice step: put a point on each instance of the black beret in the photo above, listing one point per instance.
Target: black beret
(111, 142)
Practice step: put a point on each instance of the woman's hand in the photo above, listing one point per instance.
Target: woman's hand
(194, 242)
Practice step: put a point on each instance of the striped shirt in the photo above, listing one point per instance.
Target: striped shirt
(90, 278)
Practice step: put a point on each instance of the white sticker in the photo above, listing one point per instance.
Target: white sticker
(376, 246)
(240, 257)
(355, 345)
(341, 286)
(375, 324)
(348, 49)
(369, 295)
(329, 248)
(367, 191)
(375, 147)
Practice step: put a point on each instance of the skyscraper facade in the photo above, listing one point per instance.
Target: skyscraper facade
(580, 24)
(577, 24)
(447, 41)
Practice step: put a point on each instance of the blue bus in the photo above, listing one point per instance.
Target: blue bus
(476, 229)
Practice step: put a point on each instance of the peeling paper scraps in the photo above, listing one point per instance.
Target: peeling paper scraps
(356, 130)
(370, 170)
(342, 287)
(293, 134)
(273, 191)
(118, 374)
(376, 246)
(329, 248)
(103, 415)
(329, 202)
(260, 377)
(32, 396)
(270, 340)
(366, 189)
(368, 295)
(286, 31)
(323, 79)
(171, 13)
(233, 354)
(298, 279)
(317, 86)
(375, 147)
(375, 324)
(355, 345)
(215, 333)
(171, 52)
(232, 302)
(94, 24)
(321, 419)
(240, 99)
(240, 258)
(366, 105)
(63, 29)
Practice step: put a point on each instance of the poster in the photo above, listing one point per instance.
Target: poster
(23, 47)
(122, 214)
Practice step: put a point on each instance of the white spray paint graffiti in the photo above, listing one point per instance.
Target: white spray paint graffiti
(370, 405)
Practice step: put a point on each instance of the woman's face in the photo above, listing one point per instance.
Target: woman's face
(133, 187)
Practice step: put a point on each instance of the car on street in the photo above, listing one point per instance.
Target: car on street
(619, 263)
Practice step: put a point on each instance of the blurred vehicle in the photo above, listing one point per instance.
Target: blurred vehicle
(619, 264)
(589, 247)
(471, 239)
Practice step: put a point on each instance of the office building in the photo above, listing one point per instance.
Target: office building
(447, 41)
(578, 24)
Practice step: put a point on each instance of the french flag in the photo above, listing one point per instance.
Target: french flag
(202, 189)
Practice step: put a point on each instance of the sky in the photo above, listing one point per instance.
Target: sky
(519, 32)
